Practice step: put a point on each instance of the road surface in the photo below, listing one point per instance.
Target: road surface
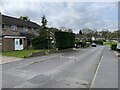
(70, 69)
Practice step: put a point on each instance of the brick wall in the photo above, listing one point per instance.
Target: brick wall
(8, 44)
(8, 30)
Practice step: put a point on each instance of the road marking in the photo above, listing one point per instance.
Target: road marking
(93, 81)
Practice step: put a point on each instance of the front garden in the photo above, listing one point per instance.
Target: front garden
(21, 53)
(112, 45)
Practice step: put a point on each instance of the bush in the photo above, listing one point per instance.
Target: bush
(83, 44)
(99, 42)
(64, 40)
(39, 43)
(113, 46)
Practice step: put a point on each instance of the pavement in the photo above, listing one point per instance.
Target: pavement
(117, 54)
(71, 69)
(5, 59)
(107, 76)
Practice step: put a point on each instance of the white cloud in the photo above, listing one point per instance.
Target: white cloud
(68, 14)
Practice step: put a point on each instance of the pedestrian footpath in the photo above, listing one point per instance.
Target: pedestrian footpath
(107, 75)
(5, 59)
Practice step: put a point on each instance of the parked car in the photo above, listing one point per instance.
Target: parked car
(118, 47)
(94, 45)
(77, 45)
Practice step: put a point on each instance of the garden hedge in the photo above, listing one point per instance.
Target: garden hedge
(99, 42)
(64, 40)
(113, 46)
(39, 43)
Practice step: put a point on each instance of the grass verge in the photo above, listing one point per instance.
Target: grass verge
(21, 53)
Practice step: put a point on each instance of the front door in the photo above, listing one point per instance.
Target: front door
(18, 44)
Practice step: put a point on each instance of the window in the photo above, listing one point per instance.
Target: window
(14, 27)
(16, 42)
(21, 42)
(25, 29)
(4, 26)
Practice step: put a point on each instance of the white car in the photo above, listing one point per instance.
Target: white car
(118, 47)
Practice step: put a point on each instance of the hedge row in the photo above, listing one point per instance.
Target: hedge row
(64, 40)
(98, 42)
(39, 43)
(114, 46)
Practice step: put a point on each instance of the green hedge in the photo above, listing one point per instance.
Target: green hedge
(39, 43)
(64, 40)
(113, 46)
(99, 42)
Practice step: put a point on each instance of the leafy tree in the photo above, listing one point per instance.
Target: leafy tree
(24, 18)
(42, 40)
(44, 22)
(80, 32)
(62, 28)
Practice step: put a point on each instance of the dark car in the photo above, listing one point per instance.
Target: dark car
(77, 45)
(93, 45)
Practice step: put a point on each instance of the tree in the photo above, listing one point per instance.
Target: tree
(62, 28)
(24, 18)
(86, 30)
(41, 41)
(44, 22)
(69, 30)
(105, 34)
(80, 32)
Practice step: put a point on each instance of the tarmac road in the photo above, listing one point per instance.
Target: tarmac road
(70, 69)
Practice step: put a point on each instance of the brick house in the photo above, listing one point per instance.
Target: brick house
(11, 32)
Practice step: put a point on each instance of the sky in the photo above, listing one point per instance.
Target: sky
(73, 15)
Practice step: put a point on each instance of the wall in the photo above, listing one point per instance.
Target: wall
(8, 44)
(8, 30)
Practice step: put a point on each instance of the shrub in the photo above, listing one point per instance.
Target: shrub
(99, 42)
(64, 40)
(113, 46)
(39, 43)
(83, 44)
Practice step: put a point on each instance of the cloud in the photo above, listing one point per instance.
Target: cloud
(75, 15)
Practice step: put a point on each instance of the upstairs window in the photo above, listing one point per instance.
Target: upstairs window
(14, 27)
(4, 26)
(25, 29)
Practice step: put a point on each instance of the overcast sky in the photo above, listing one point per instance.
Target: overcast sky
(74, 15)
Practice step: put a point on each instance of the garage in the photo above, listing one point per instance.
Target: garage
(10, 43)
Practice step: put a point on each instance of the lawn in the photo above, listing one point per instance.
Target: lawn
(109, 43)
(20, 53)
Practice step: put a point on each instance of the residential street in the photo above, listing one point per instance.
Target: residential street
(69, 69)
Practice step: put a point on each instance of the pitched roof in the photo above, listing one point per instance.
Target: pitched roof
(16, 21)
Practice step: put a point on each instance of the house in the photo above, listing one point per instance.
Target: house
(12, 34)
(79, 38)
